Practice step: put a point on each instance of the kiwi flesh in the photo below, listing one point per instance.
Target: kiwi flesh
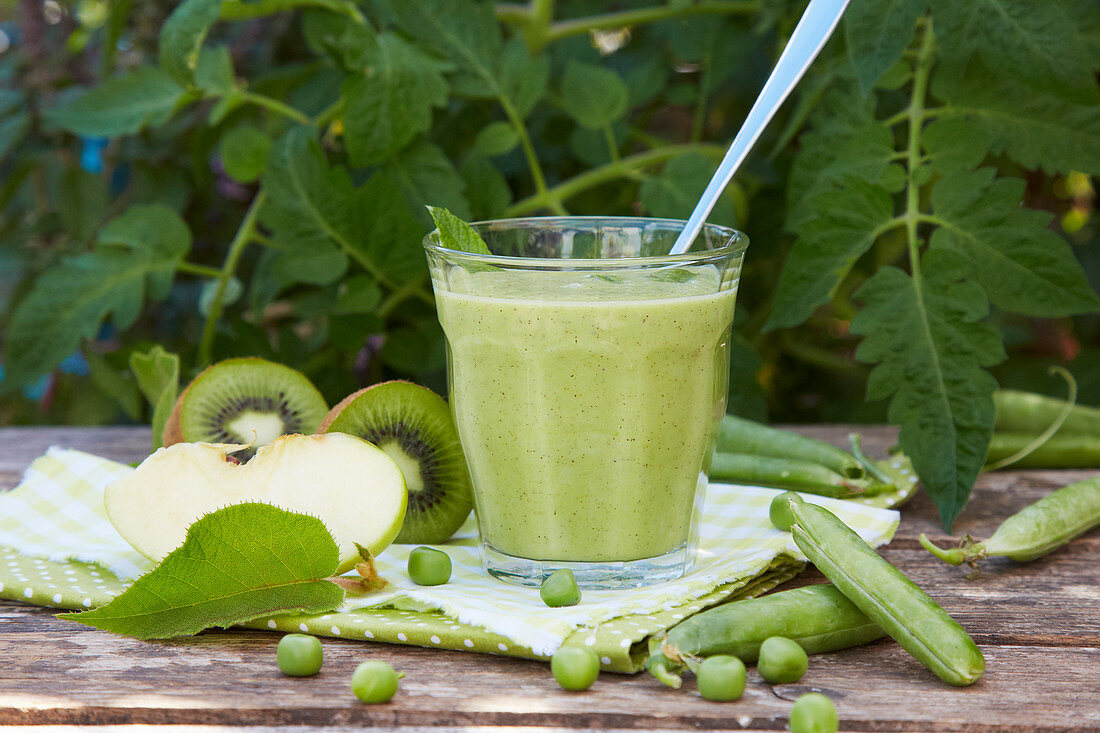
(250, 401)
(414, 427)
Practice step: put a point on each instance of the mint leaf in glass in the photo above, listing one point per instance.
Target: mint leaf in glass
(236, 564)
(457, 234)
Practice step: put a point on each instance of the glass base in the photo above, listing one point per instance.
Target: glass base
(590, 575)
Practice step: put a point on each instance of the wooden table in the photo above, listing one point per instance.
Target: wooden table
(1038, 625)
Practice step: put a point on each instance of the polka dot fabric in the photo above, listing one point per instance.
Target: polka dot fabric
(58, 549)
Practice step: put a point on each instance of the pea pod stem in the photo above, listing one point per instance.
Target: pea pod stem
(738, 435)
(888, 598)
(868, 465)
(1035, 530)
(1038, 441)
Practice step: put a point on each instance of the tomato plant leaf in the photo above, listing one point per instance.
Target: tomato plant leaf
(158, 376)
(390, 101)
(214, 71)
(594, 95)
(674, 192)
(523, 78)
(848, 222)
(145, 97)
(930, 352)
(877, 32)
(1022, 265)
(428, 178)
(1034, 127)
(236, 564)
(137, 252)
(83, 199)
(1040, 48)
(243, 150)
(182, 36)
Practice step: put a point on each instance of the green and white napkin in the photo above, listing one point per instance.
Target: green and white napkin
(57, 548)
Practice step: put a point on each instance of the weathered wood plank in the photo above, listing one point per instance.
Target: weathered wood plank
(1038, 624)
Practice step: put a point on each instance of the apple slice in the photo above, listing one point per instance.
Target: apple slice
(349, 484)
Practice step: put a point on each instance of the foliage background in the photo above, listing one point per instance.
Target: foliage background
(250, 178)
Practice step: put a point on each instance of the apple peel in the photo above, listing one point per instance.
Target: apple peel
(354, 488)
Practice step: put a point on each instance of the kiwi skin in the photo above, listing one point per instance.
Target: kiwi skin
(173, 428)
(428, 519)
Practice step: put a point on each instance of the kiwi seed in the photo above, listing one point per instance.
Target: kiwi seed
(413, 425)
(247, 401)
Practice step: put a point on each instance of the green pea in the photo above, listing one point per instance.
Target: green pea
(575, 667)
(560, 589)
(721, 678)
(780, 510)
(428, 566)
(781, 660)
(374, 682)
(299, 655)
(814, 713)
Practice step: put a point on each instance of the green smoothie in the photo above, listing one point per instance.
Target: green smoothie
(586, 403)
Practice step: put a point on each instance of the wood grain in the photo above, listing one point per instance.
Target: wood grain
(1038, 625)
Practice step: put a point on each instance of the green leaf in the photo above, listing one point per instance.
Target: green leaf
(158, 376)
(845, 142)
(136, 255)
(357, 294)
(427, 177)
(930, 349)
(1036, 44)
(214, 71)
(848, 222)
(463, 31)
(523, 78)
(674, 193)
(236, 564)
(746, 394)
(146, 97)
(877, 32)
(243, 151)
(496, 138)
(391, 101)
(457, 234)
(182, 36)
(117, 385)
(595, 96)
(389, 233)
(1034, 127)
(310, 207)
(417, 350)
(954, 143)
(1022, 265)
(82, 203)
(12, 130)
(486, 187)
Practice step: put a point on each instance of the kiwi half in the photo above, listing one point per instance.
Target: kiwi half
(249, 400)
(413, 426)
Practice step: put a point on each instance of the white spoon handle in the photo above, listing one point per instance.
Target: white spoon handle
(809, 36)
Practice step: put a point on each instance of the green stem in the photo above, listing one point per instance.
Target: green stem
(412, 289)
(191, 268)
(553, 197)
(240, 10)
(533, 164)
(274, 105)
(523, 18)
(232, 258)
(612, 146)
(329, 114)
(916, 113)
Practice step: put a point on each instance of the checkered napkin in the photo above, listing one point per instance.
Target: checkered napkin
(57, 548)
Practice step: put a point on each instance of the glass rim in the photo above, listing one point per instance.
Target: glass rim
(736, 243)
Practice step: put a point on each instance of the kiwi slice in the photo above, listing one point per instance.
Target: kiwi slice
(413, 425)
(250, 401)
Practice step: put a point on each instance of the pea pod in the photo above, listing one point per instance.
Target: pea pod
(783, 473)
(1060, 451)
(888, 598)
(818, 617)
(737, 435)
(1035, 530)
(1025, 412)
